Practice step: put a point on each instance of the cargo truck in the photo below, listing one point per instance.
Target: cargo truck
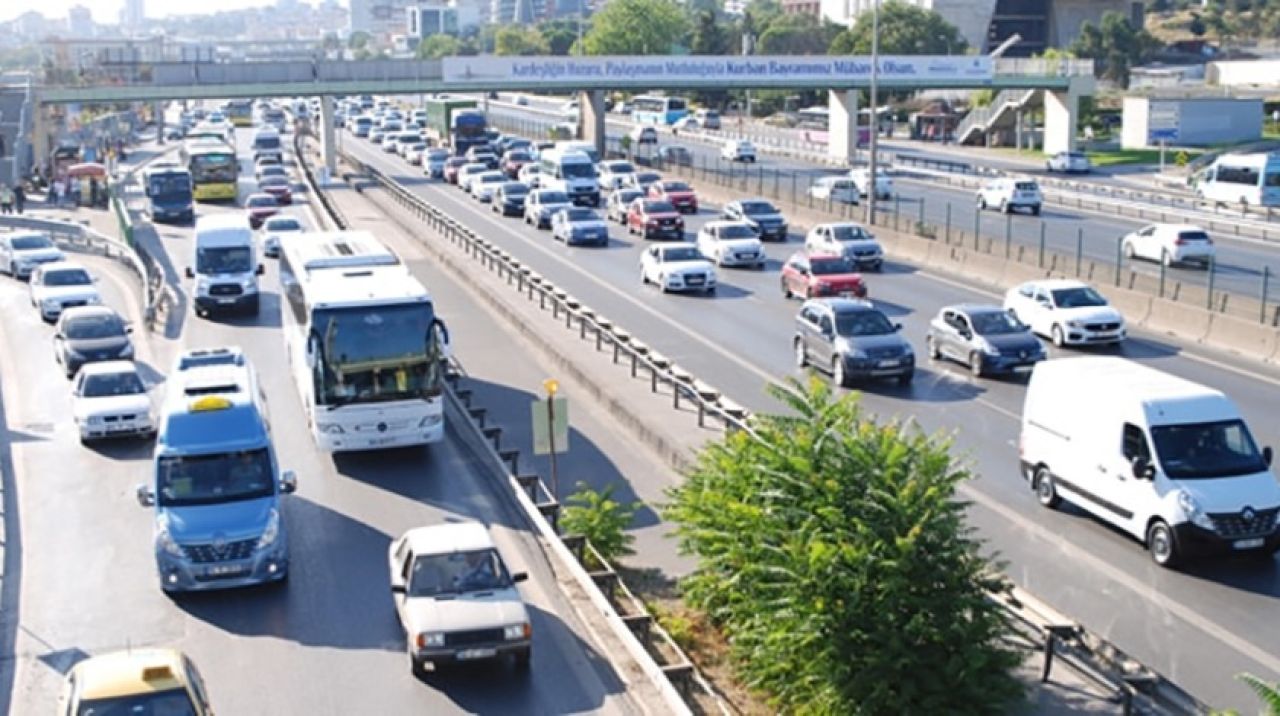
(456, 122)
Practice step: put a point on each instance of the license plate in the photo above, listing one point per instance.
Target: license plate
(1254, 543)
(224, 570)
(887, 364)
(226, 301)
(847, 294)
(1023, 368)
(467, 654)
(374, 442)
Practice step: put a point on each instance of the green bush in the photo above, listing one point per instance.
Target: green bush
(601, 519)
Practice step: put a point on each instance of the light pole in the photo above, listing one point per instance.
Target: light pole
(875, 114)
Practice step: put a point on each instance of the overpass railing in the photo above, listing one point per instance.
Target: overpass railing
(1043, 67)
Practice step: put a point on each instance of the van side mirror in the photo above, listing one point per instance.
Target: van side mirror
(1267, 455)
(519, 576)
(145, 496)
(1142, 470)
(897, 327)
(288, 482)
(261, 269)
(190, 273)
(397, 589)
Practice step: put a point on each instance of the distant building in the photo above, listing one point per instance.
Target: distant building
(800, 7)
(382, 18)
(431, 19)
(516, 12)
(80, 21)
(32, 26)
(133, 16)
(984, 24)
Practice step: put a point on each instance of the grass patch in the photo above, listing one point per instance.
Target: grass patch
(1113, 157)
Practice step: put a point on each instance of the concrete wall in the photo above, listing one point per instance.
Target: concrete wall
(1201, 121)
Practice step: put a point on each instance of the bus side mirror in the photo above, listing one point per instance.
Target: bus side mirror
(261, 269)
(190, 273)
(145, 496)
(288, 482)
(1267, 455)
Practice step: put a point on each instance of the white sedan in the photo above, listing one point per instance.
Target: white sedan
(731, 243)
(273, 228)
(483, 185)
(1170, 244)
(738, 150)
(861, 177)
(579, 225)
(615, 173)
(62, 284)
(110, 400)
(22, 251)
(677, 267)
(1068, 312)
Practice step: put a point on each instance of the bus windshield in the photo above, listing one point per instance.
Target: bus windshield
(169, 185)
(375, 354)
(214, 167)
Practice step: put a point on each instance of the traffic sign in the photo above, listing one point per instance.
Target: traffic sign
(550, 414)
(1163, 135)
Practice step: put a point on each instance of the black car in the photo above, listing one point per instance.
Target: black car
(985, 338)
(763, 216)
(87, 334)
(852, 340)
(508, 198)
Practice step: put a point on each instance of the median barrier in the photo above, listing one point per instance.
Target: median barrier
(1243, 336)
(1178, 319)
(1134, 306)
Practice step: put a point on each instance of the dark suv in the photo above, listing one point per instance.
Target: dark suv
(852, 340)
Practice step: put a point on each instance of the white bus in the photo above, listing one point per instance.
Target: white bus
(1242, 179)
(364, 344)
(649, 109)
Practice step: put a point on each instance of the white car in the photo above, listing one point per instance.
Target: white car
(846, 239)
(542, 204)
(528, 175)
(642, 180)
(273, 228)
(686, 123)
(413, 152)
(1170, 244)
(579, 225)
(738, 150)
(644, 135)
(22, 251)
(677, 267)
(110, 400)
(615, 173)
(759, 214)
(838, 190)
(455, 598)
(619, 201)
(1069, 163)
(861, 177)
(482, 185)
(731, 243)
(433, 161)
(62, 284)
(1009, 195)
(1066, 311)
(467, 172)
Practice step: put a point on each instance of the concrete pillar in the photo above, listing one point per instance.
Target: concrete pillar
(591, 116)
(1017, 129)
(157, 111)
(327, 137)
(1061, 110)
(842, 140)
(39, 134)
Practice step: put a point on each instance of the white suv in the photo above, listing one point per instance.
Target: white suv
(1170, 244)
(738, 150)
(1009, 195)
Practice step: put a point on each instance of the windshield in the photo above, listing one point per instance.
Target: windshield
(436, 155)
(261, 201)
(553, 197)
(995, 323)
(684, 253)
(621, 168)
(170, 702)
(67, 277)
(1025, 186)
(737, 231)
(94, 327)
(456, 573)
(849, 233)
(284, 225)
(828, 267)
(578, 171)
(170, 184)
(215, 167)
(581, 215)
(210, 479)
(1200, 450)
(1271, 179)
(675, 186)
(273, 170)
(1078, 297)
(518, 156)
(514, 188)
(863, 323)
(1193, 236)
(659, 207)
(272, 180)
(102, 385)
(272, 142)
(758, 207)
(229, 259)
(29, 243)
(376, 354)
(647, 177)
(492, 178)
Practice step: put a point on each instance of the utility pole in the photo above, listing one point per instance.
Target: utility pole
(875, 114)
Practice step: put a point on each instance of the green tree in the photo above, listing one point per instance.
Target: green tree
(793, 34)
(710, 37)
(637, 27)
(560, 35)
(1114, 45)
(834, 553)
(359, 40)
(1196, 26)
(516, 40)
(601, 519)
(1268, 693)
(433, 47)
(904, 30)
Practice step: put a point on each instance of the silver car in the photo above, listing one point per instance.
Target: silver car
(985, 338)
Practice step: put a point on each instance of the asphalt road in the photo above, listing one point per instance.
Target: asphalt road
(1239, 263)
(1200, 627)
(326, 642)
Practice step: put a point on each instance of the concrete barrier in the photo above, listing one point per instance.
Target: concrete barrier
(1243, 336)
(1134, 306)
(1179, 319)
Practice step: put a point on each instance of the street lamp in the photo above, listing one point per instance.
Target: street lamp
(875, 115)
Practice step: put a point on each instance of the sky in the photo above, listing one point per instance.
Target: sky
(107, 11)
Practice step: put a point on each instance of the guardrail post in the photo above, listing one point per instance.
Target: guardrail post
(1008, 234)
(1079, 248)
(1163, 270)
(947, 233)
(1119, 257)
(1212, 270)
(897, 207)
(977, 227)
(1266, 279)
(1041, 259)
(920, 215)
(793, 188)
(760, 181)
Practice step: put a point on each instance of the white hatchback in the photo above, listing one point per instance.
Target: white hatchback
(677, 267)
(731, 243)
(738, 150)
(1170, 244)
(110, 400)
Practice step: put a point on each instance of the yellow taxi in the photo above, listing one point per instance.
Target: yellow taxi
(138, 681)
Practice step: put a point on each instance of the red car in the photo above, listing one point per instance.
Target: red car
(513, 160)
(451, 168)
(815, 275)
(261, 207)
(278, 187)
(681, 195)
(654, 218)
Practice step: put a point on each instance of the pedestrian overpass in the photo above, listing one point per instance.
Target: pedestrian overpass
(1063, 82)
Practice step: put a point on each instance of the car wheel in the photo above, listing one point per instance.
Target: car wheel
(786, 290)
(837, 372)
(11, 270)
(1046, 491)
(418, 668)
(932, 347)
(905, 379)
(975, 364)
(662, 282)
(802, 354)
(1059, 339)
(1035, 210)
(1162, 544)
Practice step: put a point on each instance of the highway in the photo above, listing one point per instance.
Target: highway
(1240, 261)
(1199, 627)
(325, 642)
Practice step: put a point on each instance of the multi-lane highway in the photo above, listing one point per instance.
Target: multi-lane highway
(1240, 260)
(1200, 626)
(325, 642)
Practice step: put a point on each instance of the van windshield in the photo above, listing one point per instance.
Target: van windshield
(210, 479)
(231, 259)
(1207, 450)
(578, 171)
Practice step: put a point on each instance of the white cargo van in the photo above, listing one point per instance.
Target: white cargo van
(1164, 459)
(224, 265)
(266, 143)
(571, 172)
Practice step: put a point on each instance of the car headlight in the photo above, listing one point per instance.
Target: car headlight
(846, 348)
(271, 532)
(249, 283)
(49, 302)
(430, 421)
(517, 631)
(329, 428)
(985, 346)
(127, 351)
(430, 639)
(907, 350)
(164, 540)
(94, 420)
(1075, 324)
(1193, 511)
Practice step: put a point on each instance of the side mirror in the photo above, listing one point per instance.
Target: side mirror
(145, 496)
(966, 333)
(397, 589)
(519, 577)
(1142, 469)
(1267, 455)
(261, 270)
(128, 329)
(288, 482)
(190, 273)
(897, 326)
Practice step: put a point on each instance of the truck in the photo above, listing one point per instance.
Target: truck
(169, 192)
(456, 122)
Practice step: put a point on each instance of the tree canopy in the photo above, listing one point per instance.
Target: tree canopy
(1114, 45)
(904, 30)
(517, 40)
(637, 27)
(834, 555)
(434, 47)
(796, 34)
(560, 35)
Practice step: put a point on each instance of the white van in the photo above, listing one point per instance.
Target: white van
(571, 172)
(587, 148)
(225, 265)
(266, 143)
(1164, 459)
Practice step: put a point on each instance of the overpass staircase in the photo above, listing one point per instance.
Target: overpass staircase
(1000, 115)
